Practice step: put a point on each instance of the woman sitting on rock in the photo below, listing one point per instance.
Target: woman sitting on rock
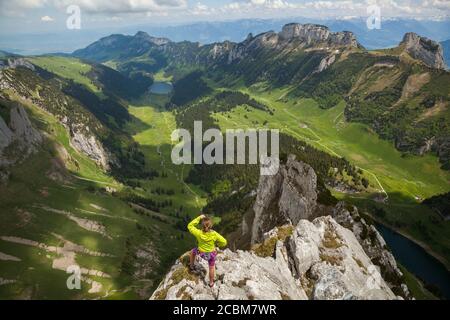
(206, 240)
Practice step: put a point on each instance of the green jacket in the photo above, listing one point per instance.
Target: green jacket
(206, 240)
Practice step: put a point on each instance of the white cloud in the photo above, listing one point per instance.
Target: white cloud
(27, 4)
(334, 5)
(439, 4)
(46, 19)
(252, 5)
(201, 9)
(232, 9)
(272, 4)
(123, 6)
(19, 7)
(339, 8)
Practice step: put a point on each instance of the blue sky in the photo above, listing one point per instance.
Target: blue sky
(25, 16)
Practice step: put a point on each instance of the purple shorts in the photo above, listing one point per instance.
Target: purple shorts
(209, 256)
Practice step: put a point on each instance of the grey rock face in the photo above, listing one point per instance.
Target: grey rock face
(337, 256)
(16, 62)
(286, 197)
(20, 137)
(373, 244)
(320, 260)
(317, 34)
(306, 32)
(344, 270)
(343, 39)
(91, 147)
(325, 63)
(424, 49)
(21, 127)
(290, 196)
(427, 146)
(292, 35)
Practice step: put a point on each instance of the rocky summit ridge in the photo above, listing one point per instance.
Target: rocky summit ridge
(296, 253)
(426, 50)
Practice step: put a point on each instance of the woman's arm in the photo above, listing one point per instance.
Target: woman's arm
(221, 241)
(192, 226)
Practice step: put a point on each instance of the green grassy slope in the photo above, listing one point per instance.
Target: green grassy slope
(26, 205)
(155, 139)
(30, 204)
(59, 196)
(69, 68)
(405, 179)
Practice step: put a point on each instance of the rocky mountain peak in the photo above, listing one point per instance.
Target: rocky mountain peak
(318, 260)
(294, 256)
(424, 49)
(307, 32)
(141, 35)
(286, 197)
(314, 33)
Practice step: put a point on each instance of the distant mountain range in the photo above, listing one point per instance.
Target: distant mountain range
(389, 35)
(6, 54)
(318, 63)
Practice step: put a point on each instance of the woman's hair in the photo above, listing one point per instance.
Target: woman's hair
(207, 224)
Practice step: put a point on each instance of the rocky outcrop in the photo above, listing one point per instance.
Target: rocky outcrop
(320, 260)
(286, 197)
(294, 253)
(15, 62)
(424, 49)
(373, 244)
(313, 34)
(19, 139)
(21, 127)
(325, 63)
(292, 36)
(91, 147)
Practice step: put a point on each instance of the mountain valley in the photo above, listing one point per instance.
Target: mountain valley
(86, 175)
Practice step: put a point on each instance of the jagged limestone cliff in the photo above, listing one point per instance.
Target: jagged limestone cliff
(426, 50)
(18, 138)
(337, 256)
(319, 260)
(286, 197)
(293, 36)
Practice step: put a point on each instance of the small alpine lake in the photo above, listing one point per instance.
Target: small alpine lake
(162, 88)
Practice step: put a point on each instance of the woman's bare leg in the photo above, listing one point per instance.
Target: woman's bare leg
(192, 259)
(212, 272)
